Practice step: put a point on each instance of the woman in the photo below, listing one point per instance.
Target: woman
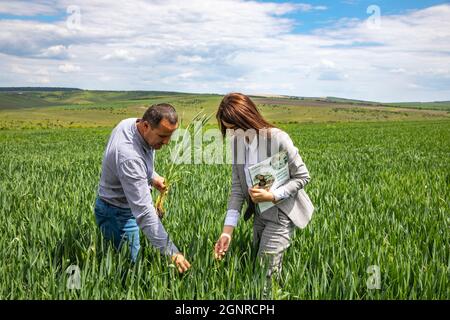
(274, 227)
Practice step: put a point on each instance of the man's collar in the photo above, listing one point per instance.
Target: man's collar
(141, 140)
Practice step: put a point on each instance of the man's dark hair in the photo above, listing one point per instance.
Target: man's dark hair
(157, 112)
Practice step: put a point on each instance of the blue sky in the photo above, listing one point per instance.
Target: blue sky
(352, 9)
(306, 22)
(302, 48)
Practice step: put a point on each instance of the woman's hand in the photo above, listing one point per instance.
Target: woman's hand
(261, 195)
(222, 245)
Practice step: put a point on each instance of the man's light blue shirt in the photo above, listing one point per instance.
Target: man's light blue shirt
(125, 182)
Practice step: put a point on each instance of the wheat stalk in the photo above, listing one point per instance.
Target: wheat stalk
(172, 175)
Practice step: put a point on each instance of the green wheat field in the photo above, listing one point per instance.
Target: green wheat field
(380, 183)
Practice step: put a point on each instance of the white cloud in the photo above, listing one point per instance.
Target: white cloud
(309, 7)
(43, 80)
(55, 52)
(68, 68)
(211, 46)
(105, 78)
(327, 63)
(27, 74)
(18, 69)
(26, 8)
(189, 59)
(119, 54)
(350, 2)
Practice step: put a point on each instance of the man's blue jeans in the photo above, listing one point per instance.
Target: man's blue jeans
(117, 225)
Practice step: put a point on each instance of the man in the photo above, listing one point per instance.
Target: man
(124, 202)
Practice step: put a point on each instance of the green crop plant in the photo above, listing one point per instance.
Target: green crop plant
(381, 192)
(173, 174)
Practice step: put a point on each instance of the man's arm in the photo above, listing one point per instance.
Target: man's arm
(132, 175)
(155, 174)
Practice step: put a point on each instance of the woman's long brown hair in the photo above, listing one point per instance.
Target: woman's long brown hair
(239, 110)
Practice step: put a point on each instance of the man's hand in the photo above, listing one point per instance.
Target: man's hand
(159, 183)
(261, 195)
(181, 263)
(222, 246)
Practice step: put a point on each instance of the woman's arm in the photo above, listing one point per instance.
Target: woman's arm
(236, 198)
(235, 203)
(223, 243)
(297, 169)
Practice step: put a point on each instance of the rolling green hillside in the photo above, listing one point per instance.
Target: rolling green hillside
(437, 105)
(89, 108)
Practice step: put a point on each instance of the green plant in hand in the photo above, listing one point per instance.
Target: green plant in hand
(173, 174)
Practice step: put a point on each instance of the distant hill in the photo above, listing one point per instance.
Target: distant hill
(352, 101)
(44, 89)
(435, 105)
(16, 100)
(13, 98)
(37, 97)
(71, 107)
